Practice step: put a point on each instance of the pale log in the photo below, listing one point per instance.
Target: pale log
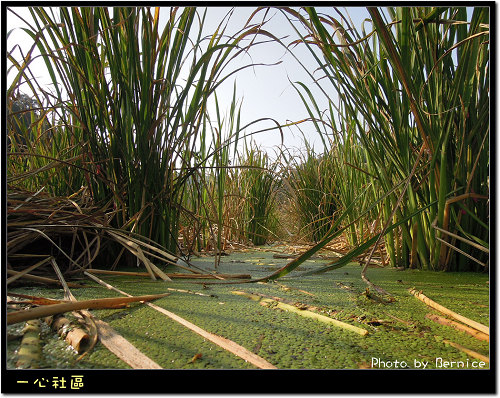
(446, 311)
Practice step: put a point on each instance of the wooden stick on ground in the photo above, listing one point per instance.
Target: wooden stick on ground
(122, 348)
(189, 292)
(227, 344)
(171, 275)
(305, 313)
(446, 311)
(468, 351)
(40, 312)
(40, 278)
(458, 326)
(35, 299)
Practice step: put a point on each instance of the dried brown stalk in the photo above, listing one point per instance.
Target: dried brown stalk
(84, 316)
(34, 299)
(40, 312)
(458, 326)
(25, 271)
(468, 351)
(446, 311)
(113, 341)
(171, 275)
(122, 348)
(302, 312)
(41, 279)
(78, 338)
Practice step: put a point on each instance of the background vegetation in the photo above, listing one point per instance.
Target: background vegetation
(126, 132)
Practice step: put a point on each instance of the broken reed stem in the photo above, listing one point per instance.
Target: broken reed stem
(136, 250)
(446, 311)
(30, 352)
(41, 279)
(458, 326)
(27, 270)
(67, 292)
(313, 315)
(460, 251)
(227, 344)
(40, 312)
(123, 349)
(84, 315)
(113, 341)
(35, 300)
(305, 313)
(74, 336)
(258, 296)
(172, 275)
(468, 351)
(189, 291)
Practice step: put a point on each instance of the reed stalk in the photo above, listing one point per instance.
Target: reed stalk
(260, 184)
(418, 79)
(131, 91)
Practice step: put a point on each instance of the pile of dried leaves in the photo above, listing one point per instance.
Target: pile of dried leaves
(74, 233)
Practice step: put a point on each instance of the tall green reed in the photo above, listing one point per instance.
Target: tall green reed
(415, 83)
(211, 185)
(136, 93)
(41, 155)
(312, 185)
(260, 182)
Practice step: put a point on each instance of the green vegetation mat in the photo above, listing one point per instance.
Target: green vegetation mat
(399, 333)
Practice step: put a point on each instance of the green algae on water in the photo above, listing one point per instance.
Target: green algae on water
(398, 332)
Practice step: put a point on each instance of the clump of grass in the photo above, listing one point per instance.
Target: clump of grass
(406, 151)
(213, 202)
(413, 94)
(260, 183)
(40, 152)
(130, 96)
(311, 182)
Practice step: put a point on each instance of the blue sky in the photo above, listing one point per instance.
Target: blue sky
(265, 91)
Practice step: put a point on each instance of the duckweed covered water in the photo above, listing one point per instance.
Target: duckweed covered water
(399, 334)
